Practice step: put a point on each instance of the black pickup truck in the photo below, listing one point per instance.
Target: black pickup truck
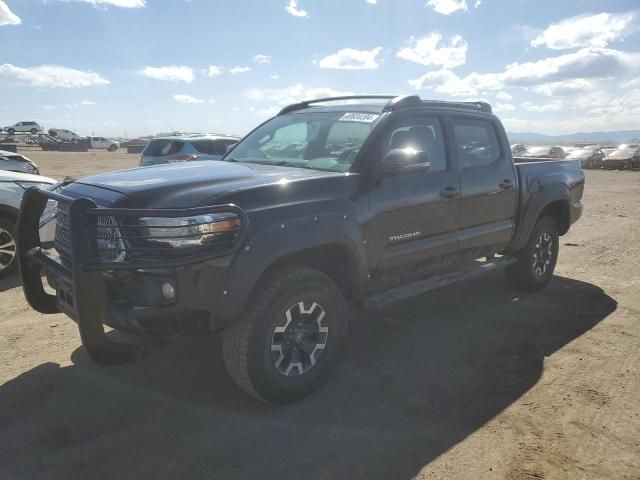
(329, 202)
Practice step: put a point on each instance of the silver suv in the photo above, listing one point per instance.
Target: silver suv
(24, 127)
(12, 187)
(14, 162)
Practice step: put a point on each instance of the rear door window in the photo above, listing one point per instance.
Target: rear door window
(211, 147)
(163, 147)
(476, 142)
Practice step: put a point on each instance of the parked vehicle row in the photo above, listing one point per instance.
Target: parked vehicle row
(61, 135)
(625, 156)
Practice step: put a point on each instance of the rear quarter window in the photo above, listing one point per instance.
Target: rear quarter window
(157, 148)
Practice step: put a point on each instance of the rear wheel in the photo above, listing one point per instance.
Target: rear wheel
(290, 337)
(537, 260)
(34, 131)
(7, 247)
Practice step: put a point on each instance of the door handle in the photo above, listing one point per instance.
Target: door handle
(506, 184)
(450, 192)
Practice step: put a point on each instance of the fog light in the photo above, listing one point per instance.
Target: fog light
(168, 291)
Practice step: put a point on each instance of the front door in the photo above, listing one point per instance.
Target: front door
(414, 215)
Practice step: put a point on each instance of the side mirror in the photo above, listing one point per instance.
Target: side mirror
(405, 160)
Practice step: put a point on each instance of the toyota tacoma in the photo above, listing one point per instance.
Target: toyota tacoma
(328, 203)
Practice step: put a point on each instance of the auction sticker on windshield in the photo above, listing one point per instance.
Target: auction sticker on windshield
(359, 117)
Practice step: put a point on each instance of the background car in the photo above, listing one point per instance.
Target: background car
(14, 162)
(180, 148)
(103, 143)
(545, 152)
(12, 187)
(65, 135)
(24, 127)
(622, 159)
(589, 157)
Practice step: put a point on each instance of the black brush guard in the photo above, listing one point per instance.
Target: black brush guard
(81, 292)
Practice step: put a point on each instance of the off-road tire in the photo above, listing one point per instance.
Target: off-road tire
(522, 274)
(247, 342)
(9, 227)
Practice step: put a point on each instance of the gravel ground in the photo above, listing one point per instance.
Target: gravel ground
(473, 381)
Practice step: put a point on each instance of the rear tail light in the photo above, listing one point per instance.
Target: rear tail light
(181, 158)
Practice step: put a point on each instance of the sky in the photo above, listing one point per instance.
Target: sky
(136, 67)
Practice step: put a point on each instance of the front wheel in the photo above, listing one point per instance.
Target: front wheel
(112, 148)
(289, 338)
(537, 260)
(11, 131)
(34, 131)
(7, 247)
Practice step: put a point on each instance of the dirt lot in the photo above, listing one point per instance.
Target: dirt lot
(475, 381)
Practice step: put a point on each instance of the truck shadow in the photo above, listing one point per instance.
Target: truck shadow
(416, 379)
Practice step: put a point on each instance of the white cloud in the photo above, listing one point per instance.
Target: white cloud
(269, 112)
(115, 3)
(263, 59)
(49, 76)
(585, 63)
(352, 59)
(170, 73)
(48, 107)
(554, 106)
(239, 69)
(292, 94)
(87, 103)
(447, 7)
(426, 51)
(565, 87)
(292, 9)
(275, 76)
(182, 98)
(372, 2)
(598, 98)
(7, 17)
(213, 71)
(587, 31)
(503, 107)
(503, 96)
(477, 3)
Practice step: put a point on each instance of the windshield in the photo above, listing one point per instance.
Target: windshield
(317, 140)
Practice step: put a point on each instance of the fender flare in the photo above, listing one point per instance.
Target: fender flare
(266, 247)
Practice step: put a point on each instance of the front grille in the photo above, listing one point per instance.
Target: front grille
(110, 246)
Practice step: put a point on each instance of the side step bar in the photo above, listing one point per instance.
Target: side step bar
(439, 279)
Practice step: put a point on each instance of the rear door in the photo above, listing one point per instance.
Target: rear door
(414, 215)
(488, 185)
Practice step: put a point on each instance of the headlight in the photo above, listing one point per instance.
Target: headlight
(190, 231)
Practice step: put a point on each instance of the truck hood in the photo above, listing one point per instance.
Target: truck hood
(192, 184)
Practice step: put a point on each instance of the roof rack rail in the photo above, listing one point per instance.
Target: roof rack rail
(394, 102)
(307, 103)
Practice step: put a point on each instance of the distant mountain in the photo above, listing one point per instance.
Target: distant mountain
(616, 136)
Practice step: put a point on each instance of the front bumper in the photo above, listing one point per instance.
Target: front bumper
(125, 296)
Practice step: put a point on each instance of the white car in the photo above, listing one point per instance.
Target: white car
(24, 127)
(65, 135)
(12, 187)
(103, 143)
